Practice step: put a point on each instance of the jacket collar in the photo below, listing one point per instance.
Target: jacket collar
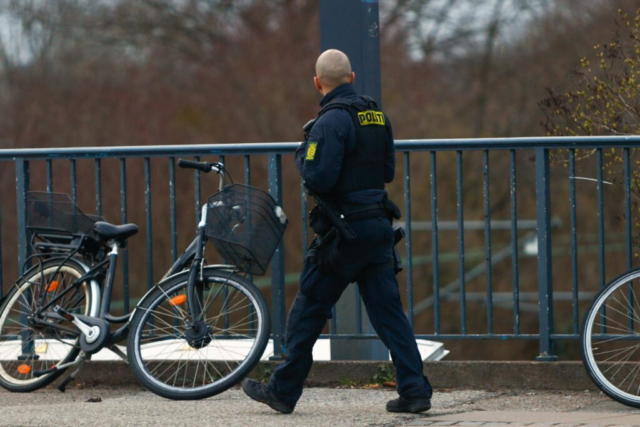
(345, 90)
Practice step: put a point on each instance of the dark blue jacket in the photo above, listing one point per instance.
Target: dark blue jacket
(335, 135)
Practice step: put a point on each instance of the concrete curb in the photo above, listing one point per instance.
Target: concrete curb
(445, 374)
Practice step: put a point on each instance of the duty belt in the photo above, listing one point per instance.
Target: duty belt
(354, 212)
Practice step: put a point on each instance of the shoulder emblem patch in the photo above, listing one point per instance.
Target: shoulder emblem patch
(371, 117)
(312, 147)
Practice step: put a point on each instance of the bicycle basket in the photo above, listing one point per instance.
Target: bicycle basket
(245, 225)
(56, 213)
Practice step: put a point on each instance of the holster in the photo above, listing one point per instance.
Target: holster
(332, 228)
(398, 235)
(319, 222)
(327, 251)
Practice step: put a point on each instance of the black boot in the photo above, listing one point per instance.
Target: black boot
(413, 406)
(260, 393)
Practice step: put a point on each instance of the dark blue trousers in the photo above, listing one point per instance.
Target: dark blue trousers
(320, 291)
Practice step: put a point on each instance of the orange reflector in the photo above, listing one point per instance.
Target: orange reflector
(53, 286)
(178, 299)
(24, 369)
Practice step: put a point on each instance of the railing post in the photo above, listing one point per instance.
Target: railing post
(545, 284)
(22, 187)
(277, 264)
(1, 273)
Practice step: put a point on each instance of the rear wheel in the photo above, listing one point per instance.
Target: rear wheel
(180, 362)
(26, 347)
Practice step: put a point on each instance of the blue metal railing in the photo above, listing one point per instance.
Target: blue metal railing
(461, 151)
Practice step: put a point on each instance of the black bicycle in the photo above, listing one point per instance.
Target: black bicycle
(195, 334)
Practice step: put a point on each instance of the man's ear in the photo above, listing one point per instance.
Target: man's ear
(316, 81)
(353, 77)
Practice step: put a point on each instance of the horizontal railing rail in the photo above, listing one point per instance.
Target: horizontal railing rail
(439, 175)
(575, 142)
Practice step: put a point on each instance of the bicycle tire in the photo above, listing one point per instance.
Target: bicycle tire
(31, 277)
(598, 308)
(142, 321)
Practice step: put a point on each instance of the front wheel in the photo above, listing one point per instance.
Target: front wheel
(180, 362)
(610, 339)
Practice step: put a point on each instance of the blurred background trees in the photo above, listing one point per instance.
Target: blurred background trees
(154, 72)
(77, 72)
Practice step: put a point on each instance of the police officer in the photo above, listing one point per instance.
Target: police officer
(346, 159)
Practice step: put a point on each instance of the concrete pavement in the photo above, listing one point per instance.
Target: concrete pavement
(319, 407)
(479, 375)
(528, 419)
(537, 409)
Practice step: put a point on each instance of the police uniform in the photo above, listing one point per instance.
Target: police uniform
(347, 157)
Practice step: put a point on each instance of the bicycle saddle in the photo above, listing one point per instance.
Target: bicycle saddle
(119, 233)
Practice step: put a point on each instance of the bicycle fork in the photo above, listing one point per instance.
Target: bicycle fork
(195, 272)
(197, 331)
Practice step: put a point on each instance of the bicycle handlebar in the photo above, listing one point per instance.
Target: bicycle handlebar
(205, 167)
(201, 166)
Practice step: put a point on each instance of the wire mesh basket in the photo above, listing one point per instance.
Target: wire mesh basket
(245, 225)
(56, 213)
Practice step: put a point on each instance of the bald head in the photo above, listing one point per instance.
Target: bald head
(333, 69)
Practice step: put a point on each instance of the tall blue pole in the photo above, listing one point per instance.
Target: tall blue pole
(353, 26)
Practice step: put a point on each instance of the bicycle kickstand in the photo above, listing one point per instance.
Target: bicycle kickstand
(115, 349)
(81, 359)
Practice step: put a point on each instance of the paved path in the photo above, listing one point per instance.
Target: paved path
(319, 407)
(537, 409)
(529, 419)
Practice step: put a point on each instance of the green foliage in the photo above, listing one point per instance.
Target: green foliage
(348, 383)
(605, 101)
(264, 372)
(385, 374)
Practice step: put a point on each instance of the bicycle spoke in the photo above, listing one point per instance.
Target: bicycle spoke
(156, 317)
(605, 317)
(617, 349)
(618, 311)
(611, 340)
(625, 330)
(226, 314)
(195, 375)
(621, 363)
(169, 299)
(629, 306)
(630, 351)
(207, 306)
(168, 367)
(225, 348)
(635, 369)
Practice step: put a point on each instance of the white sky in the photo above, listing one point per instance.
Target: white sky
(13, 41)
(466, 14)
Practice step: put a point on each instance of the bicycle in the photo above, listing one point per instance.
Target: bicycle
(610, 339)
(195, 334)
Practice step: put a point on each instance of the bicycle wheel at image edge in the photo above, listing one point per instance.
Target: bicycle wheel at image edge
(26, 348)
(183, 363)
(610, 339)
